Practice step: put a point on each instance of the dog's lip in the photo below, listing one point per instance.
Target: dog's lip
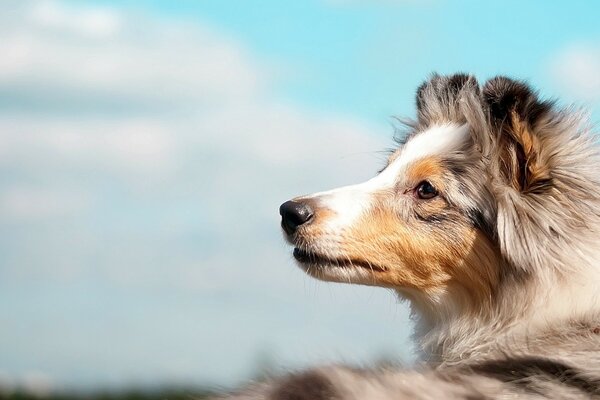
(312, 258)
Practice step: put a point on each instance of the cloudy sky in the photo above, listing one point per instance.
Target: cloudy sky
(146, 146)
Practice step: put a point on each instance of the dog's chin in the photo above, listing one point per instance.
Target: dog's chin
(336, 269)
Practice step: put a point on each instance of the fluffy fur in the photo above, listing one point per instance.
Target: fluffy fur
(487, 218)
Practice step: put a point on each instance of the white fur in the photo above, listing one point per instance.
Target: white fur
(536, 333)
(350, 202)
(437, 140)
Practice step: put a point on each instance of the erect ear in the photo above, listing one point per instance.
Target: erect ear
(516, 115)
(438, 99)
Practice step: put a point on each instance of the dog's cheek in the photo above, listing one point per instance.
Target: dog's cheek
(406, 249)
(469, 259)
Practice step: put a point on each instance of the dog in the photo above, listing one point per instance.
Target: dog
(487, 219)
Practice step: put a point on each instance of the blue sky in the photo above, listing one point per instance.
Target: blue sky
(366, 57)
(145, 148)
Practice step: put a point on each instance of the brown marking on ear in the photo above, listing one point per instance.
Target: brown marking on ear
(536, 172)
(515, 113)
(520, 156)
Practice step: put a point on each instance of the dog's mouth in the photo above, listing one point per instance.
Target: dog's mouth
(313, 259)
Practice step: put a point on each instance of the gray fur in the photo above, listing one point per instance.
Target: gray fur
(538, 333)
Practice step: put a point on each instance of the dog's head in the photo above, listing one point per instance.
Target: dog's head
(455, 204)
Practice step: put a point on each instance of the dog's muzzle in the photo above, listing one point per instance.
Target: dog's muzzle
(295, 214)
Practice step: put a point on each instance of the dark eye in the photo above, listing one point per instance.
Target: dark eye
(425, 190)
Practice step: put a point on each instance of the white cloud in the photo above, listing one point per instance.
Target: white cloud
(32, 203)
(112, 144)
(93, 22)
(54, 52)
(146, 160)
(575, 69)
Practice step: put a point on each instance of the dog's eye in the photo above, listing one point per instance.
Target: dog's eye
(425, 190)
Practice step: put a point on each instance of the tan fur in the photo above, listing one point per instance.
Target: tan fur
(417, 258)
(521, 158)
(429, 168)
(501, 267)
(408, 253)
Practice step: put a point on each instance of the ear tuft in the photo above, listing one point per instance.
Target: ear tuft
(438, 98)
(505, 96)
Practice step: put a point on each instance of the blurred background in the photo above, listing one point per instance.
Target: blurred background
(145, 147)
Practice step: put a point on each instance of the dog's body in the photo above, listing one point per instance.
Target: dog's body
(487, 218)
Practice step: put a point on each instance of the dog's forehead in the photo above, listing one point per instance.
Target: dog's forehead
(434, 141)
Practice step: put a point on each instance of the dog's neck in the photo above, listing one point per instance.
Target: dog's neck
(521, 311)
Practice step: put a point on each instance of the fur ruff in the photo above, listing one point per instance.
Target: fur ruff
(530, 176)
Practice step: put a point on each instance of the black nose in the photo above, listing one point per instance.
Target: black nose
(294, 214)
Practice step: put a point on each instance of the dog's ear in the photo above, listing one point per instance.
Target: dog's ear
(515, 115)
(438, 99)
